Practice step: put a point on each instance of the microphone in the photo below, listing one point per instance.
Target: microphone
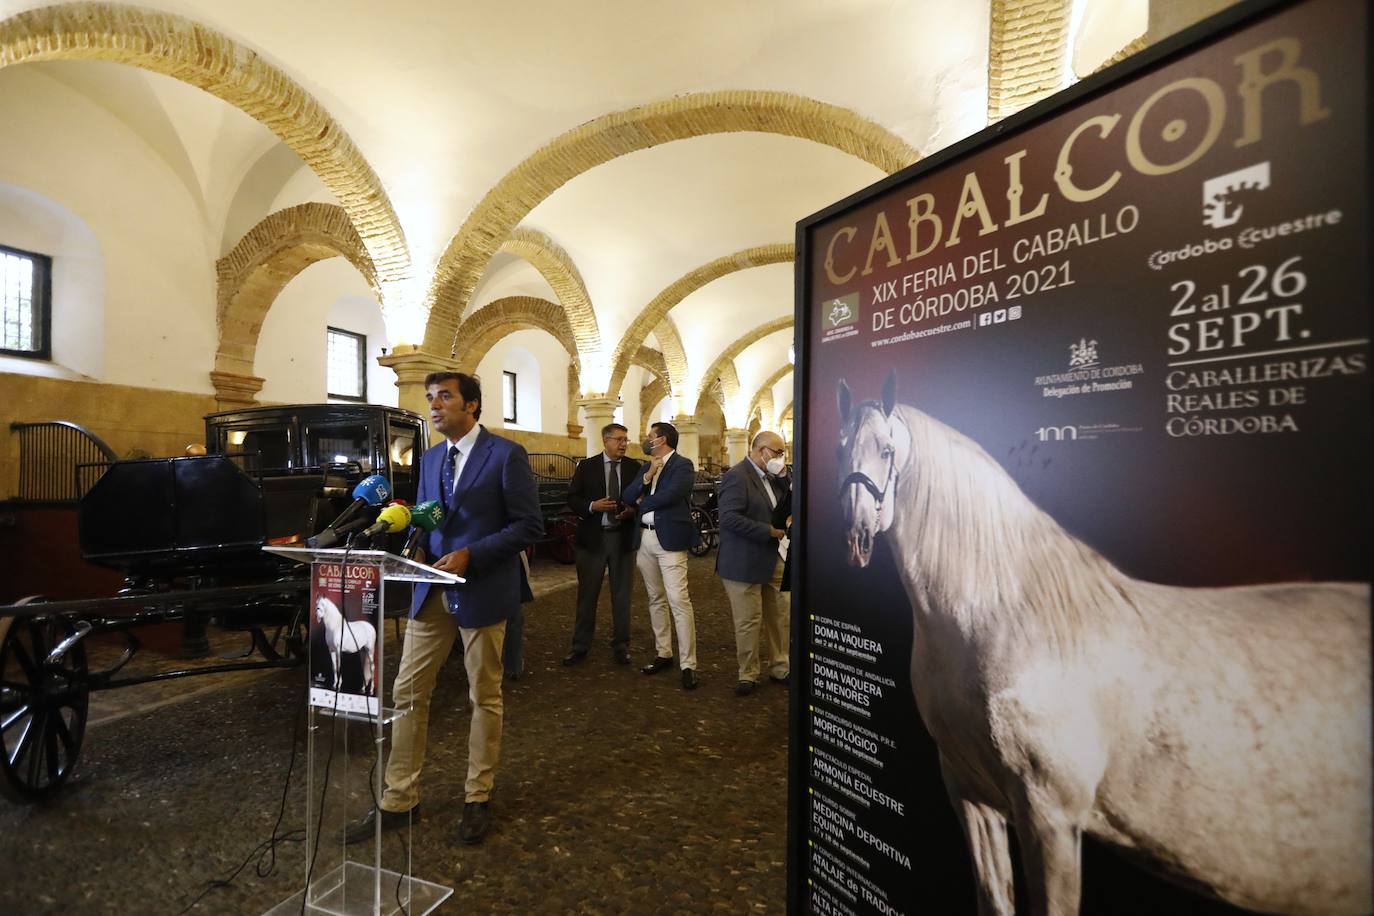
(427, 516)
(372, 490)
(392, 519)
(331, 536)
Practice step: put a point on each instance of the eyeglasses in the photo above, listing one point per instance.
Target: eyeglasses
(617, 438)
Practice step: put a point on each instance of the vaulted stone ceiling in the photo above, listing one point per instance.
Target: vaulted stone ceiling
(446, 100)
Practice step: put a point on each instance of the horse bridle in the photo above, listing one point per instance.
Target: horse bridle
(863, 480)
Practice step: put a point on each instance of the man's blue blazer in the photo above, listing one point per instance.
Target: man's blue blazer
(670, 503)
(494, 513)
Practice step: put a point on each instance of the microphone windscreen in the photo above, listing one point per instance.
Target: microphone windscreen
(375, 489)
(396, 516)
(428, 515)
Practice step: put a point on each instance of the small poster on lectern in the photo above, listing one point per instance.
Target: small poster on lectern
(345, 635)
(1082, 617)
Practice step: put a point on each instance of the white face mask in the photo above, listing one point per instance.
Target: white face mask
(776, 466)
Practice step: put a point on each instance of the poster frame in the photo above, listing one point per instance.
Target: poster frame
(1157, 55)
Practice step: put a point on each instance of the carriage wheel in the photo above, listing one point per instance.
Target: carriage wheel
(702, 522)
(42, 709)
(563, 540)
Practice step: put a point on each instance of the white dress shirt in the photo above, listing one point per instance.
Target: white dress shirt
(648, 517)
(465, 446)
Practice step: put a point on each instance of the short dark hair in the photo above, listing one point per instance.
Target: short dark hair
(667, 431)
(612, 427)
(469, 387)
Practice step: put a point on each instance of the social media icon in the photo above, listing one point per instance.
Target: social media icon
(1014, 313)
(999, 316)
(984, 319)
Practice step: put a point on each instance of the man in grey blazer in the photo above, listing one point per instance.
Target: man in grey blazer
(748, 562)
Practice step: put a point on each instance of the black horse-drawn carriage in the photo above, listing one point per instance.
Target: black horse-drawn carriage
(186, 535)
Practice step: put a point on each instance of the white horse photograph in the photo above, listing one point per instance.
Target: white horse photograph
(346, 636)
(1219, 736)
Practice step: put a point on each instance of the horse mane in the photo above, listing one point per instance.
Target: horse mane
(976, 546)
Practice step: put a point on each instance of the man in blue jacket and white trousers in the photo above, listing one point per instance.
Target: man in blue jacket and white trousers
(492, 514)
(663, 492)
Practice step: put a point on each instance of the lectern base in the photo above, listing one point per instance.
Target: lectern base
(349, 890)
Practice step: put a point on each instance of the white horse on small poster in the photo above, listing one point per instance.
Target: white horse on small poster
(1221, 735)
(351, 636)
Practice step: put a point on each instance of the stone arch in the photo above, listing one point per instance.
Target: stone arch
(724, 390)
(652, 360)
(657, 310)
(493, 321)
(786, 415)
(602, 139)
(253, 274)
(674, 356)
(557, 267)
(649, 396)
(727, 356)
(195, 54)
(764, 396)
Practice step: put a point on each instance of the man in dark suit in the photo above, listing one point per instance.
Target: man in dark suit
(662, 492)
(492, 515)
(605, 541)
(751, 496)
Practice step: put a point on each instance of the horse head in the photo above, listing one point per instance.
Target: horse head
(874, 446)
(320, 604)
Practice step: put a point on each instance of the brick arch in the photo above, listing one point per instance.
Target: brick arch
(674, 356)
(786, 415)
(658, 308)
(652, 360)
(556, 267)
(602, 139)
(724, 390)
(195, 54)
(727, 356)
(484, 328)
(649, 396)
(253, 274)
(765, 394)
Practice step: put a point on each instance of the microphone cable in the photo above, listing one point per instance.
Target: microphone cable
(266, 851)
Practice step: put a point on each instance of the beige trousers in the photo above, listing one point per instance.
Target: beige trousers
(665, 579)
(760, 610)
(428, 641)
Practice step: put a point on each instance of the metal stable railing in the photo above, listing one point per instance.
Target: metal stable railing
(51, 456)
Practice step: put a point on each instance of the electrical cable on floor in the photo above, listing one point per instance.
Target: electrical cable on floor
(266, 851)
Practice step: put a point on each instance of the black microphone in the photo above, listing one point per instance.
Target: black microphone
(331, 536)
(372, 490)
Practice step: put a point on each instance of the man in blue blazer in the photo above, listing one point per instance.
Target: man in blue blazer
(491, 515)
(663, 491)
(752, 495)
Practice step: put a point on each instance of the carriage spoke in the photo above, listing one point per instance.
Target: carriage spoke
(22, 744)
(50, 745)
(8, 722)
(36, 747)
(64, 732)
(21, 655)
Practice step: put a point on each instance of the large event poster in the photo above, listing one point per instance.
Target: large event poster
(1085, 501)
(345, 636)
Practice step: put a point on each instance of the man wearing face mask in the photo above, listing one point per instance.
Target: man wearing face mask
(753, 494)
(662, 491)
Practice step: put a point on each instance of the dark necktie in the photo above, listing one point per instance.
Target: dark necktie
(612, 491)
(446, 474)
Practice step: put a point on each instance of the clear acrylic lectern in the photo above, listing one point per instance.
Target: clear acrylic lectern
(346, 690)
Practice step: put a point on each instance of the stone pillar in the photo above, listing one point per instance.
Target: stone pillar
(736, 444)
(234, 391)
(411, 365)
(688, 441)
(599, 412)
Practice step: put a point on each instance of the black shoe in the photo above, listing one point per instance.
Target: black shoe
(784, 680)
(366, 827)
(744, 688)
(689, 679)
(574, 658)
(657, 665)
(622, 656)
(476, 820)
